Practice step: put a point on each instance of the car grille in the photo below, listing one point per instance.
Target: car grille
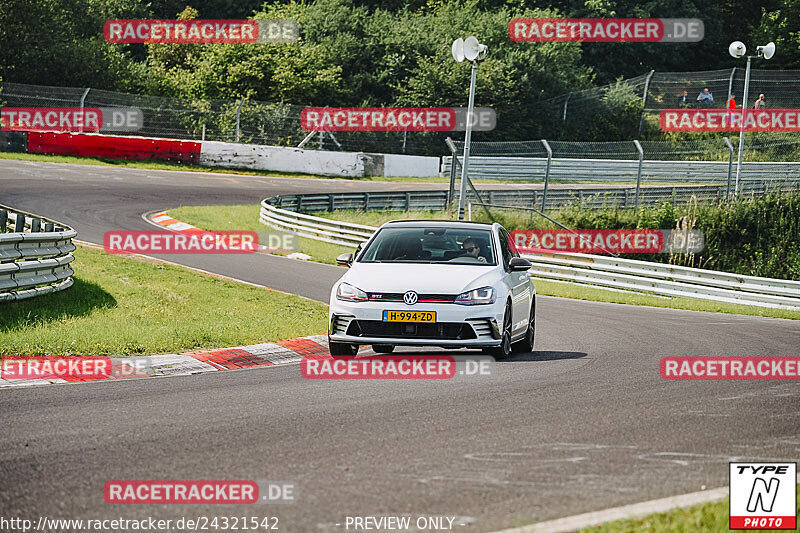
(439, 330)
(398, 297)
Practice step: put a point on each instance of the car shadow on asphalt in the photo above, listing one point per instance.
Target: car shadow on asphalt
(538, 356)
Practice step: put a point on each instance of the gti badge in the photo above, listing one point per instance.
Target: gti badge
(410, 297)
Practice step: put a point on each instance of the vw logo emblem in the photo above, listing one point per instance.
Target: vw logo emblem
(410, 297)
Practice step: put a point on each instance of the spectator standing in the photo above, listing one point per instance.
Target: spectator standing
(731, 104)
(760, 102)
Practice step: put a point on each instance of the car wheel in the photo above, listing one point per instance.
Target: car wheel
(382, 348)
(342, 349)
(504, 350)
(526, 344)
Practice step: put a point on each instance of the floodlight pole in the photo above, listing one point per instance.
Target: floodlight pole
(741, 131)
(467, 140)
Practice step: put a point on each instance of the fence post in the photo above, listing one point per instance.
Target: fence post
(451, 191)
(565, 107)
(644, 99)
(83, 98)
(405, 136)
(238, 116)
(730, 85)
(638, 173)
(546, 172)
(203, 138)
(730, 163)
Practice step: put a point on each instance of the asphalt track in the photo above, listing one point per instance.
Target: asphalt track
(581, 424)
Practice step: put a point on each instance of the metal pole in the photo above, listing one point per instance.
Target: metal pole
(741, 131)
(546, 172)
(405, 135)
(83, 98)
(730, 165)
(644, 99)
(730, 82)
(565, 110)
(451, 191)
(238, 113)
(638, 173)
(467, 141)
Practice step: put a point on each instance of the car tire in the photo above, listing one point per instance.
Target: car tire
(383, 348)
(526, 344)
(504, 350)
(342, 349)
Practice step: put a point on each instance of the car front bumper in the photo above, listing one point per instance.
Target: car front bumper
(479, 324)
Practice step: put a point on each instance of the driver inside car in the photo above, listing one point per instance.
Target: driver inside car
(469, 248)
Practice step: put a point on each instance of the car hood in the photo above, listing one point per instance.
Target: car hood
(422, 278)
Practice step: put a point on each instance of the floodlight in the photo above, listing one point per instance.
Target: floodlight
(473, 49)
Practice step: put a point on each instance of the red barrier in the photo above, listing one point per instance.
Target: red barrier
(114, 147)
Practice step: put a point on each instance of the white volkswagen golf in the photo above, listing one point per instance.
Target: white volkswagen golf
(434, 283)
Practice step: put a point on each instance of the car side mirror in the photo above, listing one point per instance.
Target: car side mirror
(346, 259)
(518, 264)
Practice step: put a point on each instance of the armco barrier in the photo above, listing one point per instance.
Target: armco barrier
(600, 271)
(35, 256)
(533, 168)
(114, 147)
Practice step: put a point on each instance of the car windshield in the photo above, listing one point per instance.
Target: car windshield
(430, 245)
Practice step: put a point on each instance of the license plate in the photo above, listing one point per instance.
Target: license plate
(409, 316)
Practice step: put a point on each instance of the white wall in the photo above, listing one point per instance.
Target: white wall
(286, 159)
(281, 159)
(410, 166)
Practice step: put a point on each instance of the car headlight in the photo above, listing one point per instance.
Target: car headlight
(348, 293)
(482, 296)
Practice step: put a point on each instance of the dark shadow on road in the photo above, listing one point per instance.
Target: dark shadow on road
(81, 299)
(543, 356)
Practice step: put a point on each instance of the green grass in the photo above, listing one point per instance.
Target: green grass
(245, 217)
(123, 305)
(707, 518)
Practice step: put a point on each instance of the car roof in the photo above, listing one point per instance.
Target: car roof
(455, 224)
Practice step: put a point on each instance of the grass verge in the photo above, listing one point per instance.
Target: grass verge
(245, 217)
(126, 305)
(707, 518)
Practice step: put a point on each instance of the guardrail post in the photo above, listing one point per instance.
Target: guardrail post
(730, 160)
(3, 220)
(366, 201)
(36, 225)
(546, 172)
(330, 202)
(19, 226)
(408, 201)
(48, 227)
(299, 202)
(625, 198)
(638, 173)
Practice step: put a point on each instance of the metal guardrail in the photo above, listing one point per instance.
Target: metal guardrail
(534, 168)
(587, 197)
(35, 256)
(596, 270)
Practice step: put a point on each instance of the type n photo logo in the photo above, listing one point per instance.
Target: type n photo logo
(763, 496)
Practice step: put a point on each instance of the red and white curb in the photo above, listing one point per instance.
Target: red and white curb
(163, 219)
(266, 354)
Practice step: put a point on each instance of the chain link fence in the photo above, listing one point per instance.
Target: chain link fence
(245, 121)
